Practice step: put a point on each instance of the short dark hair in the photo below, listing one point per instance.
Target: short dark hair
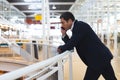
(67, 15)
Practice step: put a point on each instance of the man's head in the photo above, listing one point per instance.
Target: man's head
(67, 19)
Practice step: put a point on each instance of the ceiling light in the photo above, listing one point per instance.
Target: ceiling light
(5, 9)
(53, 7)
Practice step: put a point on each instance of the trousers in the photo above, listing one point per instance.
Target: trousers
(107, 72)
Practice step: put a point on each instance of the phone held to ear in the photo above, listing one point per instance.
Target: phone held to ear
(62, 28)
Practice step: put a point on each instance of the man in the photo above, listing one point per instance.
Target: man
(89, 47)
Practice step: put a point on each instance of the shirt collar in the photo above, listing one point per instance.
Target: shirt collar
(72, 25)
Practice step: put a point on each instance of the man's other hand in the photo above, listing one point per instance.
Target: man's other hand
(59, 50)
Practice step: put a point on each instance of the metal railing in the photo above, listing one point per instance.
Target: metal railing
(43, 70)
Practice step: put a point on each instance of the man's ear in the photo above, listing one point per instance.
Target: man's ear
(70, 20)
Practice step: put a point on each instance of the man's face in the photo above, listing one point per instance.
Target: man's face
(66, 24)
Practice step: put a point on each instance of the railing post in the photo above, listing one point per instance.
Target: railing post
(70, 67)
(60, 70)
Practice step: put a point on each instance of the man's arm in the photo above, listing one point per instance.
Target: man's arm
(78, 35)
(65, 37)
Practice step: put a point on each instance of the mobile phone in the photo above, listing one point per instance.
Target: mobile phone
(63, 28)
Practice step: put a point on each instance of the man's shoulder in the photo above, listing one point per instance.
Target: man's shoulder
(81, 23)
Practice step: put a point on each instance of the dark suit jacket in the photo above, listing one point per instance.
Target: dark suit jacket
(89, 47)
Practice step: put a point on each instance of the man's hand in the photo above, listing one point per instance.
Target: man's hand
(59, 50)
(63, 31)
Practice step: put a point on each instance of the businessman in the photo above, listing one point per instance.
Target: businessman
(89, 47)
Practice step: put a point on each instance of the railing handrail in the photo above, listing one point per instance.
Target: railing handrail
(26, 70)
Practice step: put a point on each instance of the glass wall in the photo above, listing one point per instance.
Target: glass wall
(10, 19)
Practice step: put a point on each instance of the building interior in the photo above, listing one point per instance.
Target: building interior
(30, 34)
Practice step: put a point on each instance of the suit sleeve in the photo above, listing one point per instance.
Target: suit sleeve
(69, 44)
(78, 35)
(66, 38)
